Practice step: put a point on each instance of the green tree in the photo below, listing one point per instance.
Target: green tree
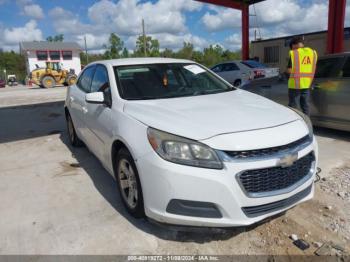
(197, 56)
(56, 38)
(125, 53)
(114, 47)
(167, 53)
(228, 55)
(212, 55)
(186, 52)
(90, 58)
(14, 64)
(152, 46)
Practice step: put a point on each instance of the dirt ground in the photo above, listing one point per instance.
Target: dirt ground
(55, 199)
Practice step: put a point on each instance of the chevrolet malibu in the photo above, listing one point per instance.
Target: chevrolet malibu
(186, 147)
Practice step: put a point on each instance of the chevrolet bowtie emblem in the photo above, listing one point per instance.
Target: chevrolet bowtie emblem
(288, 160)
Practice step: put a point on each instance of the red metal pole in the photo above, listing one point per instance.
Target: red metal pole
(330, 33)
(336, 18)
(245, 31)
(339, 19)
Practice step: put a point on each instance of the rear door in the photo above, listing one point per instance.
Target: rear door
(77, 100)
(230, 72)
(329, 91)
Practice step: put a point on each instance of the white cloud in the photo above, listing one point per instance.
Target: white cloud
(222, 18)
(12, 36)
(125, 17)
(276, 17)
(93, 42)
(34, 11)
(233, 42)
(29, 32)
(164, 20)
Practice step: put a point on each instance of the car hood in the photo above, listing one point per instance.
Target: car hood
(205, 116)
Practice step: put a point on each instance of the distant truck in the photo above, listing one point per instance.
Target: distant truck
(52, 75)
(12, 80)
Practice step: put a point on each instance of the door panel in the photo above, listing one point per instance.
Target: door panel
(329, 93)
(230, 72)
(99, 116)
(82, 88)
(77, 102)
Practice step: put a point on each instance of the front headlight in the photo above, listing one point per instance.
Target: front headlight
(306, 120)
(182, 150)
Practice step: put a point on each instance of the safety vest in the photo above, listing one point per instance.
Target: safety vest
(303, 68)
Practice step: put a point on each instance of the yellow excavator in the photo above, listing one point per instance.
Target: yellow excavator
(52, 75)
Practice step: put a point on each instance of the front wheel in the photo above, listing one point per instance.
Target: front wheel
(129, 184)
(48, 82)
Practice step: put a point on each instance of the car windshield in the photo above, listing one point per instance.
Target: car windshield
(157, 81)
(253, 64)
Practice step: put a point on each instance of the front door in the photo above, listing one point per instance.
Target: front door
(99, 116)
(330, 95)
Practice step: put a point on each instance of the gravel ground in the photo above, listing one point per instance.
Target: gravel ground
(58, 200)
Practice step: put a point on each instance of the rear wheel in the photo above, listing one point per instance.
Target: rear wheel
(73, 138)
(129, 183)
(48, 82)
(237, 83)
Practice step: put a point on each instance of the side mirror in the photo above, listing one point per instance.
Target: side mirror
(95, 98)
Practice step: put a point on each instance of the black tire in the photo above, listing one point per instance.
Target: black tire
(72, 135)
(237, 83)
(48, 82)
(125, 160)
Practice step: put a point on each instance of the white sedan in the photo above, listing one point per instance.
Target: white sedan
(188, 148)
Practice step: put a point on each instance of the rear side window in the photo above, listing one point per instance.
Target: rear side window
(84, 82)
(253, 64)
(328, 67)
(230, 67)
(217, 68)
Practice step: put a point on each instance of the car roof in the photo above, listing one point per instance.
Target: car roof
(141, 61)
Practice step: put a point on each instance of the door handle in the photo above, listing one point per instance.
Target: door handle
(71, 99)
(317, 86)
(85, 110)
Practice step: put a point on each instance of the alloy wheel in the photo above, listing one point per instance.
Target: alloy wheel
(128, 183)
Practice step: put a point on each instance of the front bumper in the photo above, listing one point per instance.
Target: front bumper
(163, 182)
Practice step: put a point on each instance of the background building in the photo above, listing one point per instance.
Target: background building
(275, 52)
(37, 53)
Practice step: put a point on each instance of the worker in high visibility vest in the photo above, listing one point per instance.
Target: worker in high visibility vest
(301, 70)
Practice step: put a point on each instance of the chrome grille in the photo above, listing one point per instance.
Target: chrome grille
(275, 178)
(268, 152)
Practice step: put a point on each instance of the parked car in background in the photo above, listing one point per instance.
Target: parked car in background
(240, 73)
(330, 92)
(188, 148)
(11, 80)
(2, 83)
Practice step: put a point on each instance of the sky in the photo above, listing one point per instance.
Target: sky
(170, 21)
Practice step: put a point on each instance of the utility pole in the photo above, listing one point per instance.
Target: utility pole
(144, 37)
(86, 52)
